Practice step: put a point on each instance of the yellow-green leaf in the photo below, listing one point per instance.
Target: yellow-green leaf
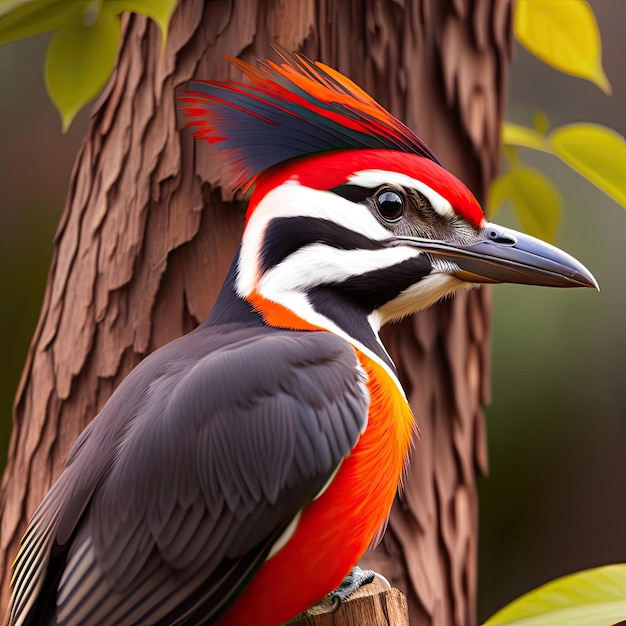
(158, 10)
(595, 597)
(500, 191)
(535, 201)
(540, 122)
(6, 6)
(516, 135)
(563, 34)
(596, 152)
(79, 61)
(26, 19)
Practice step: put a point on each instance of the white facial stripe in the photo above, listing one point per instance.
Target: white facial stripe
(375, 178)
(294, 200)
(318, 264)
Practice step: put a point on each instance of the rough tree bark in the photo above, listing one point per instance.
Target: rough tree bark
(147, 235)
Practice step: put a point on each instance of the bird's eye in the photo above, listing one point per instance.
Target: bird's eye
(390, 205)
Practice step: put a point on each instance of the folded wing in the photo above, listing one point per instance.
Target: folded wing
(184, 482)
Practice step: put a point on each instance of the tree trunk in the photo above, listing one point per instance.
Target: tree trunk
(148, 234)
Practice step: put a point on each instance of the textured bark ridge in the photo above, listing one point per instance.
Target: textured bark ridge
(148, 234)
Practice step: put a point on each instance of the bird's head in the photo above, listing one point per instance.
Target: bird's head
(349, 209)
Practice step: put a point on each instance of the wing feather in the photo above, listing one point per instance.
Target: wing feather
(189, 475)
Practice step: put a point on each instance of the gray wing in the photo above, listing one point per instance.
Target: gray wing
(166, 512)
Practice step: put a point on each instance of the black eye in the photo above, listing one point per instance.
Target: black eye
(390, 205)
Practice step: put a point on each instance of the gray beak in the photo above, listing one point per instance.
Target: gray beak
(502, 255)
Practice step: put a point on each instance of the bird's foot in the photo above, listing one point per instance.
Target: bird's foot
(353, 581)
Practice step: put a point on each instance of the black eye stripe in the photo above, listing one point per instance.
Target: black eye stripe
(354, 193)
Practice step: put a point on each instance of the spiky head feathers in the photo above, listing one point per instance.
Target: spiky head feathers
(304, 121)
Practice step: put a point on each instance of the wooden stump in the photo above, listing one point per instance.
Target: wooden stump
(368, 606)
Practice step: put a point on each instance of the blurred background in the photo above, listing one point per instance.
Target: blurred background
(554, 502)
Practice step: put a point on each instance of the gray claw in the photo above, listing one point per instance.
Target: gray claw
(353, 581)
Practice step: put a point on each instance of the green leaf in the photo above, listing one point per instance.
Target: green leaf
(535, 201)
(563, 34)
(516, 135)
(25, 19)
(597, 153)
(79, 62)
(158, 10)
(595, 597)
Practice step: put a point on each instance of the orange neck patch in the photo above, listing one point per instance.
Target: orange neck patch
(277, 315)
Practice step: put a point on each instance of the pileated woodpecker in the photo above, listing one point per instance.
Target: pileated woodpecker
(239, 473)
